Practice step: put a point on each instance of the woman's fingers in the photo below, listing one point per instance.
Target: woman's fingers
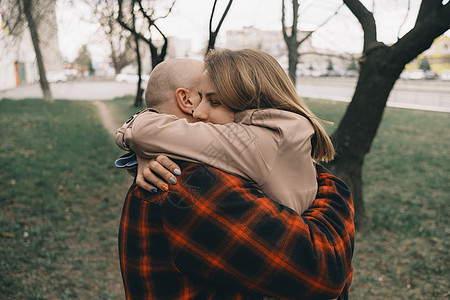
(169, 164)
(141, 182)
(157, 168)
(148, 171)
(150, 177)
(143, 171)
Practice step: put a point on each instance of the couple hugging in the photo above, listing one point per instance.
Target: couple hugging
(251, 215)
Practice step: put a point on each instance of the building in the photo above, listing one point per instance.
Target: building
(272, 42)
(269, 41)
(178, 48)
(18, 64)
(438, 56)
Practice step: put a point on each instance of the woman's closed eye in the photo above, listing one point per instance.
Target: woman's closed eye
(215, 102)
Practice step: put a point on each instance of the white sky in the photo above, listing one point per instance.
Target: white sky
(190, 19)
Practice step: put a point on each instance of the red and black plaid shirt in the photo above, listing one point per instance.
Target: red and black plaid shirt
(214, 236)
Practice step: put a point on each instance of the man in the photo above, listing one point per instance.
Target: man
(215, 236)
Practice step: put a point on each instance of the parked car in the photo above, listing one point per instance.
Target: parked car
(351, 73)
(131, 77)
(430, 75)
(331, 73)
(56, 77)
(417, 75)
(445, 76)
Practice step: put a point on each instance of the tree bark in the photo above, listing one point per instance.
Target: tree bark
(380, 68)
(158, 56)
(140, 91)
(292, 59)
(28, 11)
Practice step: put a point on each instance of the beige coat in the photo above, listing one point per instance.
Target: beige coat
(270, 147)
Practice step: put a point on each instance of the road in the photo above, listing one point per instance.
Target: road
(419, 94)
(74, 90)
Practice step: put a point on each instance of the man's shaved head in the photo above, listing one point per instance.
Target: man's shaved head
(167, 77)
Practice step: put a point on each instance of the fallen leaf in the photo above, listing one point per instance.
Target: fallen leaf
(8, 235)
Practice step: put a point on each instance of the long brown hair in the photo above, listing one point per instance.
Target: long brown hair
(249, 79)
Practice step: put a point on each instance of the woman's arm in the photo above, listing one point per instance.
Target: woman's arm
(230, 147)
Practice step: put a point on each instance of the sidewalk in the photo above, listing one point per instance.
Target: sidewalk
(433, 95)
(74, 90)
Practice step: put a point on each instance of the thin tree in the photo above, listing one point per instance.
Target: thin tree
(291, 37)
(119, 39)
(28, 8)
(380, 67)
(140, 91)
(213, 33)
(149, 17)
(25, 14)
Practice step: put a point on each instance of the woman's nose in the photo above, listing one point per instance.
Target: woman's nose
(200, 113)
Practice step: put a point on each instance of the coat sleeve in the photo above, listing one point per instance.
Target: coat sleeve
(240, 239)
(230, 147)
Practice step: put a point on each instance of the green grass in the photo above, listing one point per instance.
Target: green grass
(58, 185)
(60, 203)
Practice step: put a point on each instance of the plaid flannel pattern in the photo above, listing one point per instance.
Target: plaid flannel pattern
(215, 236)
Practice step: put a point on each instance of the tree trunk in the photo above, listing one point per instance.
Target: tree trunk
(158, 57)
(138, 100)
(47, 94)
(358, 128)
(293, 60)
(350, 171)
(211, 41)
(114, 58)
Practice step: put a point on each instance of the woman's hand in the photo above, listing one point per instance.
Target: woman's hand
(148, 171)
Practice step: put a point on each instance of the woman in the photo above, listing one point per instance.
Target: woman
(262, 129)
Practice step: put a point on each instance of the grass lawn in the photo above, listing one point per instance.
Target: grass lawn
(61, 200)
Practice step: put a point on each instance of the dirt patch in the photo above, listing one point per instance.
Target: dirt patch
(106, 117)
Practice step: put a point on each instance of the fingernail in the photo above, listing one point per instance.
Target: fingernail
(165, 187)
(173, 180)
(154, 191)
(177, 171)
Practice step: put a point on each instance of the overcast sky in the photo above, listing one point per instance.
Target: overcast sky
(190, 18)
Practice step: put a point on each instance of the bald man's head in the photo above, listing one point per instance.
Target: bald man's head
(167, 77)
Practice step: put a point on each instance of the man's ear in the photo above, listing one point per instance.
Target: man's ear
(183, 101)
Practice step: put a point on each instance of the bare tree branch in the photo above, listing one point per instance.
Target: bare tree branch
(213, 33)
(293, 35)
(283, 20)
(427, 7)
(367, 22)
(433, 24)
(321, 25)
(126, 26)
(168, 11)
(404, 20)
(221, 19)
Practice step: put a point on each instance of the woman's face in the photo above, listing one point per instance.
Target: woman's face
(211, 108)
